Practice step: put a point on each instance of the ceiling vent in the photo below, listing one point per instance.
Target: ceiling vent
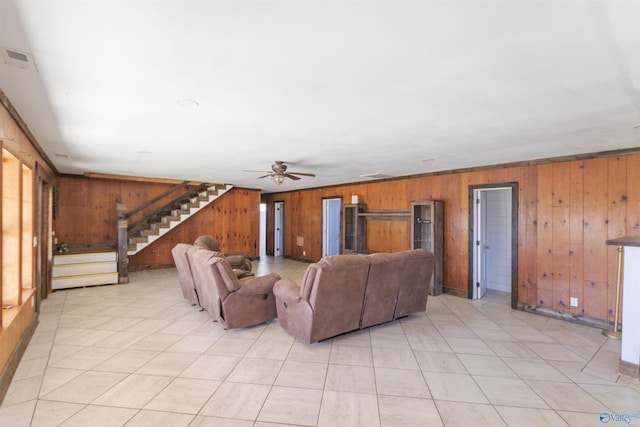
(18, 59)
(376, 175)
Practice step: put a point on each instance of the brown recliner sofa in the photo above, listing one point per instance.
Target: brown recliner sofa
(343, 293)
(234, 302)
(239, 260)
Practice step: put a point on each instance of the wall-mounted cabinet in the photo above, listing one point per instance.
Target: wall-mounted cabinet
(354, 229)
(427, 223)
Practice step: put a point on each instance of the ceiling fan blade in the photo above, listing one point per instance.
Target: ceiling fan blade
(302, 173)
(293, 177)
(264, 176)
(251, 170)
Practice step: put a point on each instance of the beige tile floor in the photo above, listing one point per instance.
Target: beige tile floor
(140, 355)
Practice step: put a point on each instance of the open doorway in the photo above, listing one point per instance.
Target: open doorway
(331, 225)
(263, 230)
(493, 240)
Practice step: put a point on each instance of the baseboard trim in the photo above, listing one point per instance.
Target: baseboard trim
(7, 375)
(582, 320)
(462, 293)
(629, 369)
(308, 261)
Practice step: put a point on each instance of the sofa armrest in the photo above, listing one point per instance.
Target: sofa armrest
(239, 273)
(243, 254)
(258, 285)
(235, 259)
(287, 290)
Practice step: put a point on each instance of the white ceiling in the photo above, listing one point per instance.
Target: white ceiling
(337, 88)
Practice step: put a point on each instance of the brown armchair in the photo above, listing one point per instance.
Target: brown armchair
(239, 260)
(234, 302)
(185, 276)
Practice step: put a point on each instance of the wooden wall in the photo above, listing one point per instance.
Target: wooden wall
(567, 211)
(87, 215)
(18, 322)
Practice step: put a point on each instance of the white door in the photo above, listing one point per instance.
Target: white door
(263, 229)
(331, 210)
(492, 234)
(479, 286)
(278, 235)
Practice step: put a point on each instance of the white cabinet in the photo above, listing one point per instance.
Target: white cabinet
(85, 269)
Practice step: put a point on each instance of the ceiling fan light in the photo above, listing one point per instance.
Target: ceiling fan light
(278, 179)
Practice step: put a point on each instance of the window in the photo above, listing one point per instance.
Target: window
(17, 235)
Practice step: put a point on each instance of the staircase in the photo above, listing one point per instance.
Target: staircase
(147, 230)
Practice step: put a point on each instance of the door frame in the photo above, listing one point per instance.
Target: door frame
(325, 201)
(43, 226)
(278, 235)
(514, 236)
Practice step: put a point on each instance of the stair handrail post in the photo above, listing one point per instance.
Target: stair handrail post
(123, 243)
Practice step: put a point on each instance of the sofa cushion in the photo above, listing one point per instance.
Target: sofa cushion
(382, 288)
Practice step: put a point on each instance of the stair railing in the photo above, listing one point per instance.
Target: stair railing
(125, 230)
(137, 225)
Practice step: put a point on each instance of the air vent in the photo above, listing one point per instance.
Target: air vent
(18, 59)
(375, 175)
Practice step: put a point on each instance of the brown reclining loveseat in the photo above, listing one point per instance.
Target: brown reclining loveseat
(342, 293)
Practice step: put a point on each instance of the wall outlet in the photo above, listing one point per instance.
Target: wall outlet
(573, 302)
(304, 253)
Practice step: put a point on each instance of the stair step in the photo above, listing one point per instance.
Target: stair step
(158, 225)
(181, 209)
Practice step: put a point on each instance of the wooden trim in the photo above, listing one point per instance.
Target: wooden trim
(149, 267)
(95, 175)
(25, 129)
(523, 163)
(462, 293)
(387, 215)
(12, 365)
(308, 261)
(514, 186)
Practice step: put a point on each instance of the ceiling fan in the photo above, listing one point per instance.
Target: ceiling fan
(279, 173)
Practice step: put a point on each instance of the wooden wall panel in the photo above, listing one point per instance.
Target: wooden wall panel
(544, 237)
(566, 213)
(616, 223)
(561, 257)
(633, 196)
(561, 235)
(87, 215)
(576, 240)
(86, 207)
(456, 232)
(595, 236)
(527, 235)
(15, 333)
(233, 219)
